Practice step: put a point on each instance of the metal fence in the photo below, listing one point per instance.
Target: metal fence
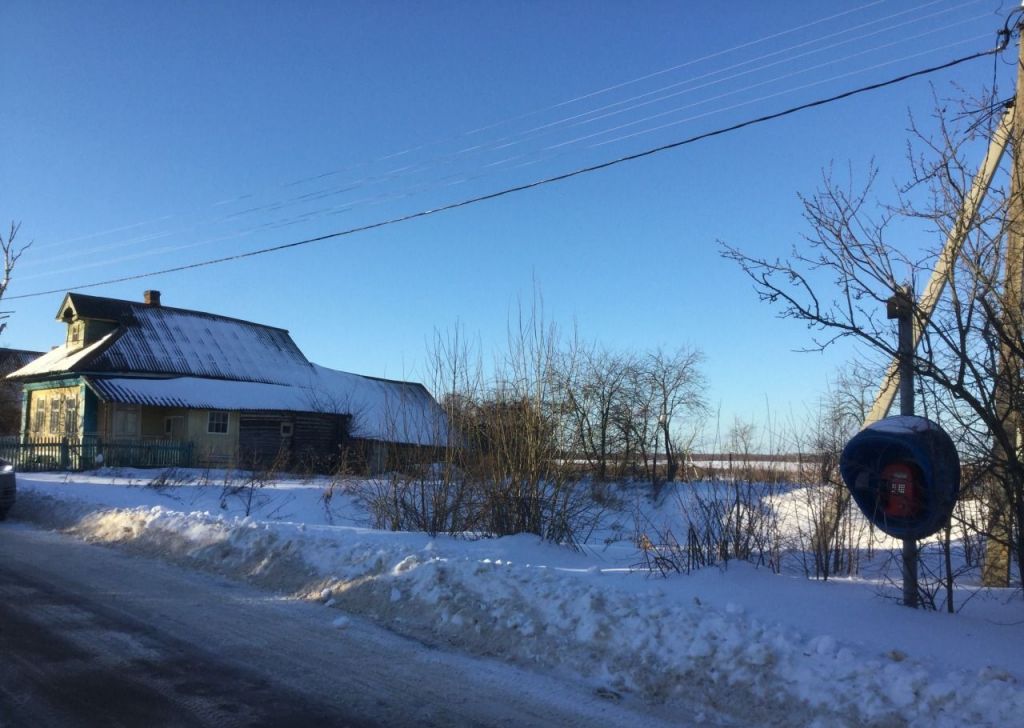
(92, 452)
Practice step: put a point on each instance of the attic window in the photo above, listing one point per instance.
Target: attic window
(287, 429)
(217, 424)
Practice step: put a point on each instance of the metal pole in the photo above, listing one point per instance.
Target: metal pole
(901, 308)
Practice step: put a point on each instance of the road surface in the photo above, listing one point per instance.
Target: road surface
(90, 636)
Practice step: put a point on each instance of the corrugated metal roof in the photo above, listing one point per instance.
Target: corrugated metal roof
(59, 360)
(196, 393)
(171, 357)
(189, 343)
(95, 307)
(160, 340)
(11, 359)
(380, 409)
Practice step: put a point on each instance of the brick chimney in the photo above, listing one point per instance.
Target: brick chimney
(151, 298)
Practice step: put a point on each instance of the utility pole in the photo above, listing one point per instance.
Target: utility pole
(996, 567)
(947, 258)
(901, 307)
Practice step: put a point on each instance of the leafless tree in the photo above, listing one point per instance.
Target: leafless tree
(839, 279)
(678, 386)
(593, 383)
(12, 252)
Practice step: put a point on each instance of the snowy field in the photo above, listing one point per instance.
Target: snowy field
(755, 647)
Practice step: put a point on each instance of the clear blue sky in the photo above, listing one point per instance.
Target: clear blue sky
(143, 135)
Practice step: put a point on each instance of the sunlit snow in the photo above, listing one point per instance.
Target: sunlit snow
(762, 647)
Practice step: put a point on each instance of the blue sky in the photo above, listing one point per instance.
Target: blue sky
(144, 135)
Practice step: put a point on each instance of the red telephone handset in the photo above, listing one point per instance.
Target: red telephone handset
(901, 490)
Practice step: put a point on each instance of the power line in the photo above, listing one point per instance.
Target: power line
(586, 96)
(1004, 40)
(516, 161)
(757, 62)
(759, 99)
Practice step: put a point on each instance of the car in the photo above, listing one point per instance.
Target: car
(8, 488)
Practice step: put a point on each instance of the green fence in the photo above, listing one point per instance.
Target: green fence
(90, 453)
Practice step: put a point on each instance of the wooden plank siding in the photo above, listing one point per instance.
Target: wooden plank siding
(316, 440)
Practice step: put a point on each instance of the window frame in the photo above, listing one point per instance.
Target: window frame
(54, 420)
(69, 405)
(38, 417)
(170, 421)
(210, 422)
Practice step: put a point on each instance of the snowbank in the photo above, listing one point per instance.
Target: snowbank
(753, 647)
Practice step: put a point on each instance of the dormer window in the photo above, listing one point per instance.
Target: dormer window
(76, 333)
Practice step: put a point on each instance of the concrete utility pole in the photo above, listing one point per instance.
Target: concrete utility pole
(901, 307)
(996, 567)
(947, 259)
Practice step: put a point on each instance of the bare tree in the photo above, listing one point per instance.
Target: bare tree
(838, 282)
(678, 387)
(12, 252)
(593, 384)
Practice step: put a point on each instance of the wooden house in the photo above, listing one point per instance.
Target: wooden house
(10, 391)
(241, 393)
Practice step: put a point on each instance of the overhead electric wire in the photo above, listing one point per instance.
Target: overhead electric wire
(759, 99)
(511, 162)
(592, 94)
(692, 62)
(759, 60)
(1004, 40)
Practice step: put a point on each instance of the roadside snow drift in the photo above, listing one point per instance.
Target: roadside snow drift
(752, 647)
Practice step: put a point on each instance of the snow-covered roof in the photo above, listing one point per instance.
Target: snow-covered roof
(196, 393)
(191, 343)
(381, 409)
(171, 357)
(159, 340)
(61, 359)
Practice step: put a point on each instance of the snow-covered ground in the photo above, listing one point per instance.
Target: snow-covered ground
(755, 647)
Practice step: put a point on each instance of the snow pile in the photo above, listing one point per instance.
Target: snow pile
(749, 645)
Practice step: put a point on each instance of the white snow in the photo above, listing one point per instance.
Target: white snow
(900, 424)
(60, 358)
(762, 648)
(380, 409)
(178, 358)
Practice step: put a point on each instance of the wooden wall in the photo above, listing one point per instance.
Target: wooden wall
(315, 443)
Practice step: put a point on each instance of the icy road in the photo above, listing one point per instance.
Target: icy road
(92, 636)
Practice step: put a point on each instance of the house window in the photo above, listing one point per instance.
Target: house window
(174, 427)
(126, 422)
(217, 424)
(71, 416)
(38, 416)
(55, 416)
(286, 429)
